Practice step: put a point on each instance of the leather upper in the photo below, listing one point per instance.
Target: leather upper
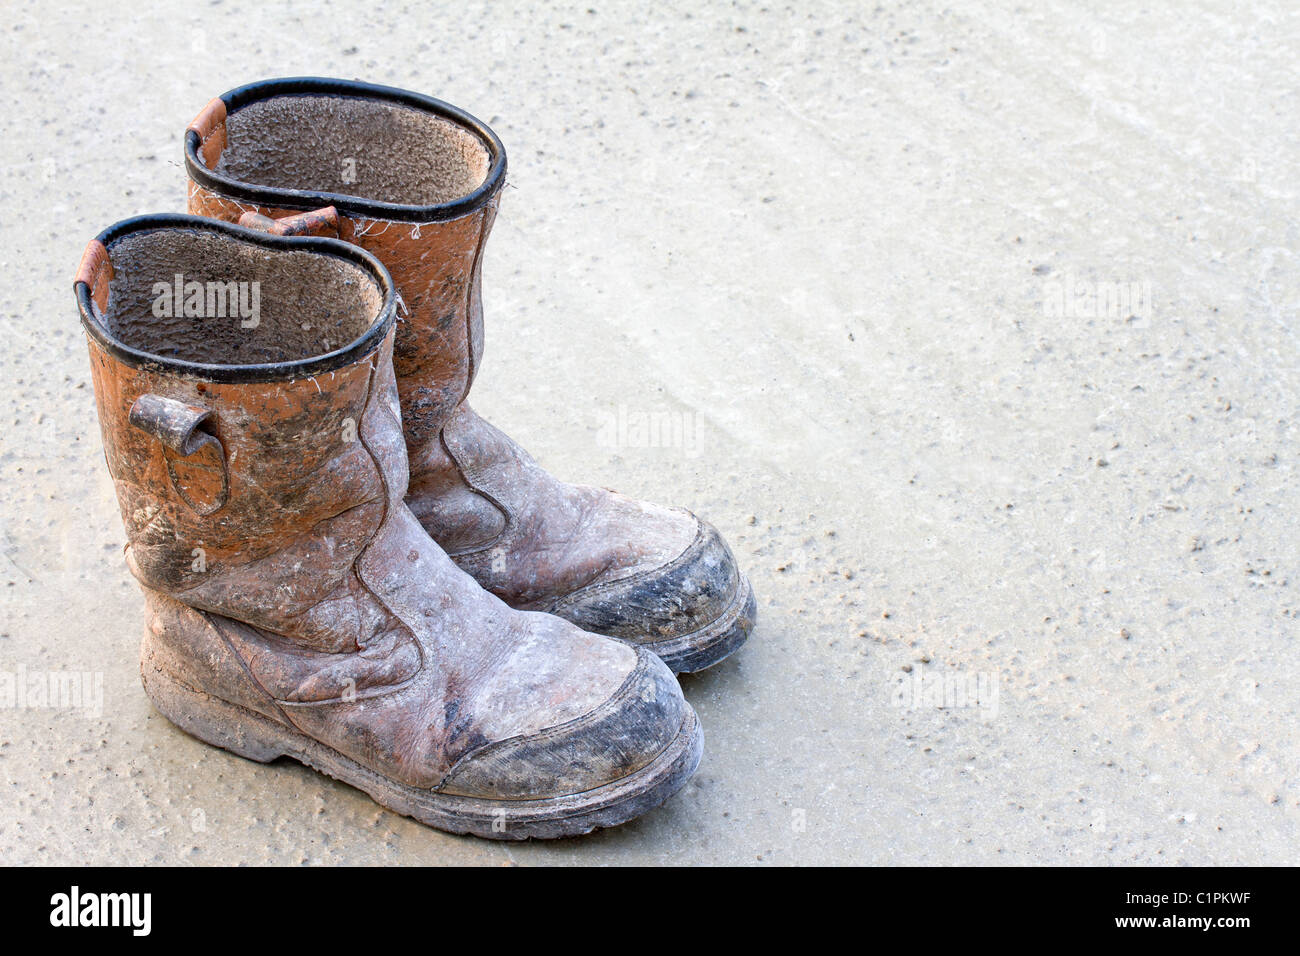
(330, 608)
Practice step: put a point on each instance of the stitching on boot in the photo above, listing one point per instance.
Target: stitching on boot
(474, 271)
(225, 639)
(470, 477)
(388, 492)
(219, 128)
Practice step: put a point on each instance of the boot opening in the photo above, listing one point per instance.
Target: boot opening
(372, 149)
(212, 298)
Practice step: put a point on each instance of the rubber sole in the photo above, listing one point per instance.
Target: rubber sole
(710, 645)
(245, 733)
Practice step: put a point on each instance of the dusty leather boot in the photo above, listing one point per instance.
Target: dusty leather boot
(295, 606)
(416, 182)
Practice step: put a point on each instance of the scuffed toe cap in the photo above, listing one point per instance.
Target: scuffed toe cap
(681, 597)
(619, 737)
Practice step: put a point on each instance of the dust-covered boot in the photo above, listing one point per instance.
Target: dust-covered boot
(416, 182)
(294, 604)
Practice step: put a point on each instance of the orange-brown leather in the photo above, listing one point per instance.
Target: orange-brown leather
(210, 124)
(95, 271)
(436, 270)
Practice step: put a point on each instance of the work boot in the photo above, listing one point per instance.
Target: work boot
(295, 607)
(416, 182)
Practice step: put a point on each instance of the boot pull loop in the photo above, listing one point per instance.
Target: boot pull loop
(319, 222)
(210, 127)
(196, 461)
(95, 272)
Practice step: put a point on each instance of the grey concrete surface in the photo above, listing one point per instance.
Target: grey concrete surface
(977, 324)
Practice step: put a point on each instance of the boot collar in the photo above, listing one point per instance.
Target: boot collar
(90, 287)
(351, 206)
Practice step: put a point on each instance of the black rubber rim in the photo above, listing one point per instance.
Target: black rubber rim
(352, 206)
(238, 374)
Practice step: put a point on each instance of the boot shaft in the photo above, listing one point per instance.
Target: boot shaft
(415, 181)
(237, 438)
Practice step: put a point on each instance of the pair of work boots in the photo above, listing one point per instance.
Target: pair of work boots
(342, 563)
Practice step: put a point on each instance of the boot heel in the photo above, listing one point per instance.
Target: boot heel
(213, 720)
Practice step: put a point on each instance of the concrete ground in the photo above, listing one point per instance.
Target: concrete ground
(971, 326)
